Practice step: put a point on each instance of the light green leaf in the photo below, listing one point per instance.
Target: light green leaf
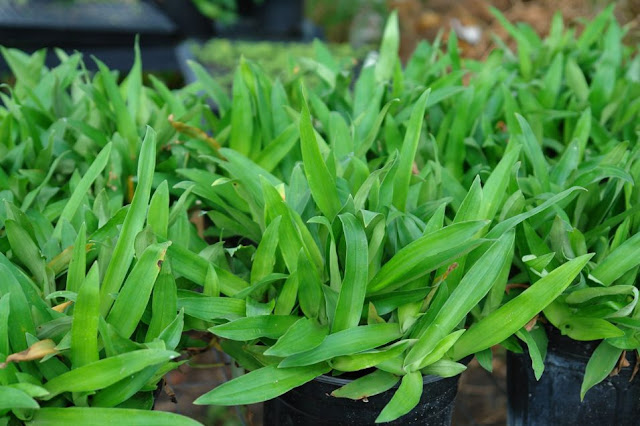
(346, 342)
(261, 385)
(404, 400)
(372, 384)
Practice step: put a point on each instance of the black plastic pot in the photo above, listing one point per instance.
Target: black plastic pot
(555, 399)
(312, 404)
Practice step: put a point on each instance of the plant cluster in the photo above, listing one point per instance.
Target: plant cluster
(385, 224)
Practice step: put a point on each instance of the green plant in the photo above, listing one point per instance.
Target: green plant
(73, 342)
(578, 94)
(77, 344)
(360, 275)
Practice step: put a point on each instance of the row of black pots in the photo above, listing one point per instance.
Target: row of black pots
(554, 400)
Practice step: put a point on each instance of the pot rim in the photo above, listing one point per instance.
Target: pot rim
(339, 381)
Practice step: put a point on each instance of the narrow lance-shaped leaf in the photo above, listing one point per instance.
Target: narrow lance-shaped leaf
(265, 255)
(241, 116)
(103, 373)
(302, 336)
(124, 122)
(261, 385)
(133, 222)
(372, 384)
(408, 152)
(388, 49)
(11, 398)
(309, 286)
(534, 153)
(426, 254)
(84, 416)
(354, 284)
(600, 365)
(164, 304)
(625, 257)
(321, 182)
(514, 314)
(404, 399)
(25, 249)
(352, 340)
(78, 263)
(136, 291)
(84, 328)
(250, 328)
(158, 218)
(472, 288)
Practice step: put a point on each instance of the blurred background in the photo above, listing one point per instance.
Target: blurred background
(217, 32)
(274, 33)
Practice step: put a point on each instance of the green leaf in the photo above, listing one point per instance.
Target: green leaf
(304, 335)
(265, 256)
(103, 373)
(354, 284)
(320, 180)
(388, 49)
(372, 384)
(309, 286)
(346, 342)
(533, 151)
(587, 329)
(136, 291)
(513, 315)
(408, 151)
(426, 254)
(250, 328)
(404, 399)
(495, 189)
(158, 218)
(241, 117)
(475, 284)
(84, 328)
(537, 360)
(261, 385)
(133, 222)
(444, 368)
(624, 258)
(84, 416)
(164, 305)
(25, 249)
(209, 308)
(11, 398)
(78, 264)
(368, 359)
(600, 365)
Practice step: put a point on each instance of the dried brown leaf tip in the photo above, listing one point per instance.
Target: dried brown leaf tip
(510, 287)
(61, 307)
(36, 351)
(635, 367)
(196, 133)
(532, 323)
(622, 363)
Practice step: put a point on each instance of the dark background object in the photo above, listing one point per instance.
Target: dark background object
(312, 404)
(272, 20)
(104, 29)
(555, 399)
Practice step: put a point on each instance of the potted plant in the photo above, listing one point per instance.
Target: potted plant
(586, 334)
(359, 277)
(89, 322)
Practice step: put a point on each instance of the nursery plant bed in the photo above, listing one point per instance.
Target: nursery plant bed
(555, 398)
